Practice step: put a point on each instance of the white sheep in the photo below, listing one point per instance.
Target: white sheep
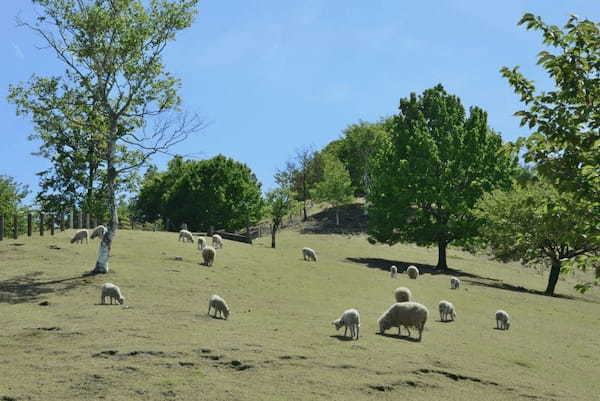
(446, 311)
(402, 294)
(217, 241)
(99, 232)
(202, 243)
(454, 283)
(219, 305)
(309, 254)
(407, 314)
(349, 319)
(185, 235)
(80, 236)
(502, 320)
(112, 292)
(412, 272)
(208, 255)
(393, 272)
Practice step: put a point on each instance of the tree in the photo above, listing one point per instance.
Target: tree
(565, 144)
(536, 224)
(302, 172)
(336, 186)
(218, 192)
(114, 84)
(432, 170)
(11, 195)
(280, 203)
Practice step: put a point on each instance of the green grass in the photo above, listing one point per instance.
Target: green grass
(279, 342)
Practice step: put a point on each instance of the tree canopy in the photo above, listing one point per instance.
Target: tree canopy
(336, 185)
(432, 170)
(11, 195)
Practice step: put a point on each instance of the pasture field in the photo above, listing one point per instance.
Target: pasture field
(279, 343)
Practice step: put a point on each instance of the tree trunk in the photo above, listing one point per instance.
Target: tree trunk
(553, 279)
(273, 232)
(337, 216)
(305, 215)
(113, 224)
(442, 264)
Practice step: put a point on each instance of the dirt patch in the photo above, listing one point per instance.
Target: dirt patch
(455, 376)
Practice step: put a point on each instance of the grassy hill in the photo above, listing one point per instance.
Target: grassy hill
(279, 342)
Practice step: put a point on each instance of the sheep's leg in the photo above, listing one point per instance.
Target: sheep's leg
(346, 331)
(357, 330)
(208, 313)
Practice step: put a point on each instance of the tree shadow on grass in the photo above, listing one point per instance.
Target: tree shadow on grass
(26, 288)
(517, 288)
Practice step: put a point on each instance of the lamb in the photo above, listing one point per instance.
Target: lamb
(402, 294)
(217, 241)
(219, 305)
(446, 311)
(393, 272)
(309, 254)
(412, 272)
(454, 283)
(113, 292)
(502, 320)
(349, 319)
(202, 243)
(407, 314)
(186, 236)
(208, 255)
(79, 236)
(99, 232)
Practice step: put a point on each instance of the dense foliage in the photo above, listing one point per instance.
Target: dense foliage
(336, 186)
(430, 173)
(11, 195)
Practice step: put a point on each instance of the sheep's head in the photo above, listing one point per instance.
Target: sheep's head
(122, 300)
(507, 325)
(226, 312)
(383, 324)
(337, 323)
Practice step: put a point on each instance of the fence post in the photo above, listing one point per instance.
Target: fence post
(62, 221)
(15, 226)
(87, 221)
(1, 227)
(41, 224)
(29, 224)
(80, 220)
(71, 219)
(52, 224)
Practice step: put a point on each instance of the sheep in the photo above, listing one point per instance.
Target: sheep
(208, 255)
(202, 243)
(349, 319)
(502, 320)
(402, 294)
(219, 305)
(393, 272)
(407, 314)
(186, 236)
(446, 311)
(79, 236)
(99, 232)
(412, 272)
(454, 283)
(217, 241)
(309, 254)
(113, 292)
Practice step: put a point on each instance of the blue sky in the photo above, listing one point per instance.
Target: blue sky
(273, 76)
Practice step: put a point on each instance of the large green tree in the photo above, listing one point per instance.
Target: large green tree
(536, 223)
(336, 185)
(11, 195)
(432, 170)
(565, 142)
(114, 82)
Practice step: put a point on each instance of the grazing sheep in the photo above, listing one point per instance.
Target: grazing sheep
(502, 320)
(217, 241)
(393, 272)
(407, 314)
(412, 272)
(79, 237)
(309, 254)
(208, 255)
(99, 232)
(402, 294)
(202, 243)
(454, 283)
(186, 236)
(349, 319)
(446, 311)
(113, 292)
(219, 305)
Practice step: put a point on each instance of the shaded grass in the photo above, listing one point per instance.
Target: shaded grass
(279, 343)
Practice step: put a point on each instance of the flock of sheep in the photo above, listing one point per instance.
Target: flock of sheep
(404, 312)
